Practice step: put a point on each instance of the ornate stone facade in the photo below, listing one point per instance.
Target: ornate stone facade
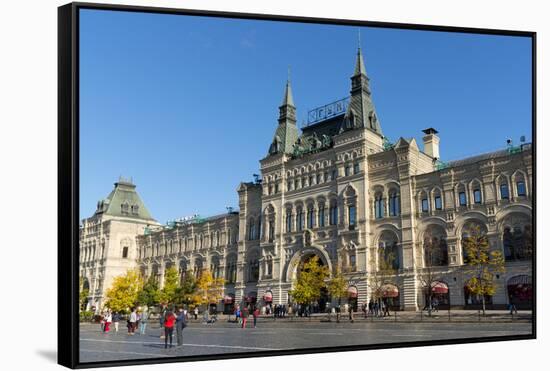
(342, 192)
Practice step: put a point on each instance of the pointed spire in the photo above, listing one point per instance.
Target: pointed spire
(359, 64)
(288, 99)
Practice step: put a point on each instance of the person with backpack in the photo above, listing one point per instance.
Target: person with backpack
(108, 320)
(143, 321)
(180, 325)
(169, 321)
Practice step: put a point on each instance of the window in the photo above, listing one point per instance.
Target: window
(310, 217)
(277, 188)
(321, 216)
(271, 231)
(379, 207)
(477, 196)
(425, 205)
(135, 209)
(288, 185)
(520, 186)
(125, 252)
(270, 190)
(334, 174)
(333, 215)
(395, 205)
(347, 170)
(352, 215)
(504, 194)
(288, 222)
(438, 204)
(300, 220)
(356, 168)
(310, 180)
(124, 209)
(325, 177)
(269, 266)
(462, 198)
(318, 179)
(251, 230)
(296, 184)
(352, 262)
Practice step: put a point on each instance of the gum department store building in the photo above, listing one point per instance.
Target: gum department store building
(342, 192)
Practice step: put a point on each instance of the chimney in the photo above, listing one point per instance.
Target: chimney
(431, 142)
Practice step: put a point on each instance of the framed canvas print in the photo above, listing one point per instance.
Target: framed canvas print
(242, 185)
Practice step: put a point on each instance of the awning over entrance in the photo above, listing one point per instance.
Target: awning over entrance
(439, 287)
(389, 291)
(268, 297)
(520, 280)
(228, 299)
(352, 292)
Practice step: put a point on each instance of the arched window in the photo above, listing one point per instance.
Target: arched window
(321, 215)
(231, 269)
(299, 219)
(394, 203)
(197, 269)
(438, 202)
(333, 213)
(125, 252)
(477, 194)
(435, 246)
(517, 237)
(251, 229)
(504, 190)
(379, 205)
(461, 195)
(310, 216)
(253, 268)
(474, 232)
(288, 220)
(424, 203)
(215, 267)
(269, 266)
(388, 254)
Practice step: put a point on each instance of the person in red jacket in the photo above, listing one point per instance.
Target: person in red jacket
(169, 321)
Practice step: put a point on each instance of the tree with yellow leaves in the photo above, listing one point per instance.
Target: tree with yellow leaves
(482, 264)
(311, 279)
(123, 293)
(208, 289)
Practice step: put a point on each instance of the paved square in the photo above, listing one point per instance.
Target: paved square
(270, 335)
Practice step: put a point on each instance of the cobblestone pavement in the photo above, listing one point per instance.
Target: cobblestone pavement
(226, 337)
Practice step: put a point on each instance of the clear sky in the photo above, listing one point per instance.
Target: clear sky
(187, 106)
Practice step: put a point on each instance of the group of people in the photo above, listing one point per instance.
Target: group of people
(170, 318)
(241, 315)
(135, 319)
(376, 308)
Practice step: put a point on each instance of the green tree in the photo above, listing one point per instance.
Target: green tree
(338, 288)
(149, 295)
(186, 290)
(84, 293)
(169, 290)
(482, 264)
(310, 280)
(123, 293)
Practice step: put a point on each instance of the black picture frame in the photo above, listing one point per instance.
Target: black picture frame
(68, 179)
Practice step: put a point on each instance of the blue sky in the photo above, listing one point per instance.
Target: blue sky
(187, 106)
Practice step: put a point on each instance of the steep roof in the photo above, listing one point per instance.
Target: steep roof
(124, 201)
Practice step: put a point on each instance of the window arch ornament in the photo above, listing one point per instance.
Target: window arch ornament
(435, 246)
(517, 237)
(388, 253)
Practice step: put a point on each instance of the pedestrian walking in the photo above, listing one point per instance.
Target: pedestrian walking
(196, 313)
(238, 315)
(143, 322)
(132, 322)
(108, 320)
(102, 321)
(116, 320)
(180, 325)
(169, 321)
(375, 308)
(244, 315)
(371, 307)
(350, 310)
(256, 314)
